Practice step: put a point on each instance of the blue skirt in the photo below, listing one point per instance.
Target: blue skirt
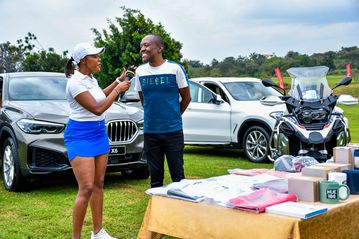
(86, 138)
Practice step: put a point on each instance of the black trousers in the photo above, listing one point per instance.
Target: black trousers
(156, 146)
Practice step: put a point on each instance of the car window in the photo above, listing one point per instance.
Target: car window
(216, 89)
(249, 90)
(37, 88)
(200, 94)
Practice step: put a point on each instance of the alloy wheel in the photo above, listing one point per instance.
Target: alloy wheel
(8, 166)
(256, 145)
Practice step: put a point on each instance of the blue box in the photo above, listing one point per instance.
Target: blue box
(356, 158)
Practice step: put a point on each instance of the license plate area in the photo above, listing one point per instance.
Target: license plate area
(117, 150)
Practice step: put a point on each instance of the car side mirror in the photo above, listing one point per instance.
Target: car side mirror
(218, 99)
(271, 100)
(269, 83)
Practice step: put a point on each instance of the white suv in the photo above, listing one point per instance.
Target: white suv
(227, 111)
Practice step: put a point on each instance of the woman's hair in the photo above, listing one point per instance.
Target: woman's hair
(69, 67)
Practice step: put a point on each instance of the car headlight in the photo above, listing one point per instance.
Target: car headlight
(276, 115)
(39, 127)
(140, 125)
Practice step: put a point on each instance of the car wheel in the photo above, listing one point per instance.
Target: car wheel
(256, 144)
(11, 175)
(140, 173)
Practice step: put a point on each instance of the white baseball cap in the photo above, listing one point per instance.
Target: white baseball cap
(83, 49)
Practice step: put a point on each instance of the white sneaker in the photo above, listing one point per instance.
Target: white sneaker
(102, 234)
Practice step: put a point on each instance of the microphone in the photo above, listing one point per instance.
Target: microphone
(130, 73)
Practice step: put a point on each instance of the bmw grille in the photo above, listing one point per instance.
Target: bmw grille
(121, 131)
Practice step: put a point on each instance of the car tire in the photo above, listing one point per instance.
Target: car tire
(11, 174)
(139, 173)
(256, 144)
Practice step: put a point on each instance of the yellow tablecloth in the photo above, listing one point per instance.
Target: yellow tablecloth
(183, 219)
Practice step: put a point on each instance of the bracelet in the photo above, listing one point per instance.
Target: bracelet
(117, 80)
(116, 90)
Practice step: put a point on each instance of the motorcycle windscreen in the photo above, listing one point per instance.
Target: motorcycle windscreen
(309, 83)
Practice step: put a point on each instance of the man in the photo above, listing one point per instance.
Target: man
(159, 83)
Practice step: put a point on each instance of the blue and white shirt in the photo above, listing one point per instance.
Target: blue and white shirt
(160, 90)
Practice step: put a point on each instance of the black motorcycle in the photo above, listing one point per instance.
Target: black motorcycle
(312, 125)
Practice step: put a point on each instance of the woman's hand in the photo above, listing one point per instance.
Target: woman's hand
(122, 77)
(123, 86)
(127, 74)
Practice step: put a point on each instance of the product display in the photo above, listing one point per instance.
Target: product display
(260, 199)
(317, 171)
(329, 192)
(306, 188)
(296, 209)
(353, 180)
(343, 155)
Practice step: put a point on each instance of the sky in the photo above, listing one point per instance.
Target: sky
(207, 29)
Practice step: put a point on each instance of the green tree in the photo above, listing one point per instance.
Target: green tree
(122, 43)
(36, 58)
(10, 58)
(267, 69)
(323, 59)
(26, 45)
(294, 59)
(257, 58)
(347, 55)
(194, 63)
(195, 68)
(25, 56)
(44, 61)
(241, 63)
(228, 67)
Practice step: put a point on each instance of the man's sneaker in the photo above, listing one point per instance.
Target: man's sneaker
(102, 234)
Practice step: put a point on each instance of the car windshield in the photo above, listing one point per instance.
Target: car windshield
(309, 83)
(249, 90)
(38, 88)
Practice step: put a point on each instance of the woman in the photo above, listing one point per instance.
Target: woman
(85, 135)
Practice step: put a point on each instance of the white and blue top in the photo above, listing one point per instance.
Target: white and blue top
(77, 84)
(160, 90)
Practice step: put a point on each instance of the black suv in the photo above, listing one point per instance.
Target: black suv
(34, 113)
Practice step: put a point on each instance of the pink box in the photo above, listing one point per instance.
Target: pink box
(343, 155)
(316, 170)
(306, 188)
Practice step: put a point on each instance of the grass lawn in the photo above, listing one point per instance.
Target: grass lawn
(352, 113)
(45, 210)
